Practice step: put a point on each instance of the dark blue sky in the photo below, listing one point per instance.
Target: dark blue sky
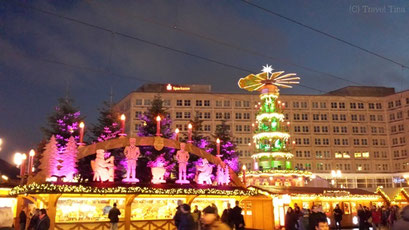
(33, 42)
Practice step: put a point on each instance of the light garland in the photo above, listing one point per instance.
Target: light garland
(287, 173)
(271, 135)
(35, 188)
(272, 154)
(268, 95)
(262, 116)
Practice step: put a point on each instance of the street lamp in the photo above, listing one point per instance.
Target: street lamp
(19, 160)
(1, 143)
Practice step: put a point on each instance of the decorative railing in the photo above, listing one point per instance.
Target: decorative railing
(135, 225)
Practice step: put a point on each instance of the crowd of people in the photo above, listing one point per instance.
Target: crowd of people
(39, 220)
(376, 218)
(208, 218)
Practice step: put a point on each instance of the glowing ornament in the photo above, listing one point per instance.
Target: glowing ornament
(205, 173)
(132, 154)
(103, 168)
(182, 156)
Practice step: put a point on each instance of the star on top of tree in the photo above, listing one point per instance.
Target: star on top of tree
(267, 69)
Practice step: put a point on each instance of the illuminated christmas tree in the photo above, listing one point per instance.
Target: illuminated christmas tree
(271, 138)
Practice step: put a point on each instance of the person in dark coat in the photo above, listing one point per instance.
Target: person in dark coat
(22, 219)
(186, 218)
(338, 217)
(113, 216)
(237, 217)
(291, 219)
(34, 220)
(363, 218)
(402, 223)
(227, 216)
(176, 217)
(44, 221)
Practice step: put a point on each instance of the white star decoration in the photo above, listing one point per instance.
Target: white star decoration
(267, 69)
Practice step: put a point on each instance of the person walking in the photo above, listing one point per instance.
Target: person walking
(113, 217)
(211, 220)
(22, 219)
(227, 216)
(403, 222)
(196, 217)
(376, 218)
(237, 217)
(338, 216)
(44, 221)
(291, 219)
(34, 220)
(186, 218)
(176, 217)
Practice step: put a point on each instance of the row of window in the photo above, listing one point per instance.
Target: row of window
(397, 103)
(335, 105)
(403, 153)
(336, 117)
(397, 116)
(197, 103)
(345, 166)
(338, 129)
(341, 141)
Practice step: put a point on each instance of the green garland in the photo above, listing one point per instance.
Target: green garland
(35, 188)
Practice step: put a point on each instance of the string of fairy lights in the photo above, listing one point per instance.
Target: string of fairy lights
(35, 188)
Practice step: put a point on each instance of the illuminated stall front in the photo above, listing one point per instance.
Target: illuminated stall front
(306, 197)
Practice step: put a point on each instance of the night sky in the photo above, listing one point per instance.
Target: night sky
(49, 49)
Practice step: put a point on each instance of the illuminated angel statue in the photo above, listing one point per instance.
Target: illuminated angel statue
(268, 78)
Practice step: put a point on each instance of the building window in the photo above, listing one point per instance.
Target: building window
(298, 153)
(372, 117)
(296, 104)
(361, 117)
(344, 129)
(363, 129)
(390, 104)
(380, 118)
(306, 141)
(238, 116)
(318, 154)
(335, 117)
(360, 105)
(207, 103)
(305, 129)
(342, 105)
(344, 141)
(226, 116)
(147, 102)
(219, 116)
(138, 114)
(187, 102)
(352, 105)
(323, 117)
(178, 115)
(219, 103)
(239, 128)
(304, 105)
(314, 105)
(226, 103)
(317, 141)
(398, 103)
(354, 129)
(207, 128)
(338, 155)
(297, 129)
(354, 117)
(246, 116)
(296, 117)
(246, 104)
(179, 102)
(138, 102)
(199, 102)
(334, 105)
(323, 105)
(378, 106)
(316, 129)
(325, 141)
(315, 117)
(304, 117)
(247, 128)
(307, 154)
(335, 129)
(343, 117)
(371, 106)
(237, 104)
(207, 115)
(324, 129)
(186, 115)
(373, 130)
(364, 141)
(337, 141)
